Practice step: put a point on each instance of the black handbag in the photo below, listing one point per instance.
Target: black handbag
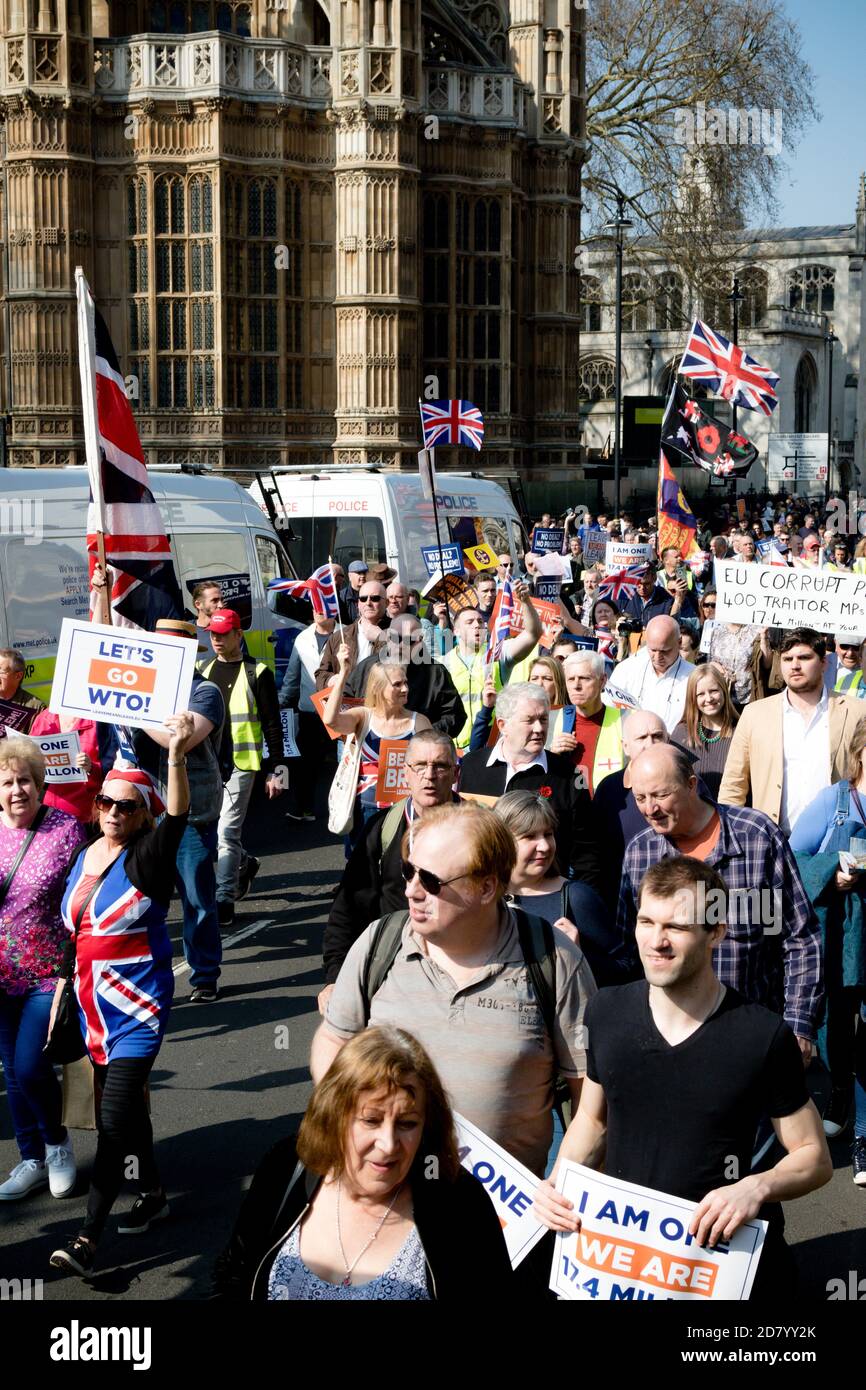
(66, 1043)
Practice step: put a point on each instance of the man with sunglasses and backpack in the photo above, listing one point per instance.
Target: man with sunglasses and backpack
(372, 882)
(494, 994)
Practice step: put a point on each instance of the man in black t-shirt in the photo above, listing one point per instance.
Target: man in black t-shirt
(679, 1071)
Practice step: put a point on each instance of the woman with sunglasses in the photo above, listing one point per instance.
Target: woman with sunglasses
(115, 907)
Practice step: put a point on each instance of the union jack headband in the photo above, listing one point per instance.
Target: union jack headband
(152, 799)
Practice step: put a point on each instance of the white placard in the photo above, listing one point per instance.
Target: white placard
(775, 596)
(551, 566)
(618, 555)
(289, 721)
(121, 676)
(618, 698)
(510, 1187)
(634, 1245)
(59, 752)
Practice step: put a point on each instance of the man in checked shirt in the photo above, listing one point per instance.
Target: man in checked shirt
(772, 952)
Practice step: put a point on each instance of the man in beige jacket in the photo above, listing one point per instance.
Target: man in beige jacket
(790, 746)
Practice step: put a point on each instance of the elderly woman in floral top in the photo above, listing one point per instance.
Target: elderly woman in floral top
(32, 940)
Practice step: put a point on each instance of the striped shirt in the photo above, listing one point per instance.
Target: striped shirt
(772, 951)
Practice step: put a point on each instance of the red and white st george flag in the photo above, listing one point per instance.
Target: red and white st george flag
(122, 508)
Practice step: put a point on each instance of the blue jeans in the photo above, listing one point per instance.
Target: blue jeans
(35, 1099)
(196, 882)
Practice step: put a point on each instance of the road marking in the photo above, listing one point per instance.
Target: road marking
(232, 940)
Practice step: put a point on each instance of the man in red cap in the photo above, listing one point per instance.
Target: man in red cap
(252, 718)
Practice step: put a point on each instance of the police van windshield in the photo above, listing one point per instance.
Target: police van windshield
(344, 538)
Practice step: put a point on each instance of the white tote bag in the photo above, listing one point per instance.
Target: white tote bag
(344, 788)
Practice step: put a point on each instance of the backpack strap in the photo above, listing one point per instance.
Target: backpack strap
(539, 952)
(538, 944)
(391, 826)
(381, 956)
(564, 903)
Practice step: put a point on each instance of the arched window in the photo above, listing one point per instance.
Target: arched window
(635, 304)
(595, 380)
(717, 307)
(805, 394)
(811, 288)
(590, 304)
(669, 301)
(753, 287)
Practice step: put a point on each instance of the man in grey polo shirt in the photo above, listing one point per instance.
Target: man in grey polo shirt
(460, 984)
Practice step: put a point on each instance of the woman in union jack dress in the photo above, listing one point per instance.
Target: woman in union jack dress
(115, 907)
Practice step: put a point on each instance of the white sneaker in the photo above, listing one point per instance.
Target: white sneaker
(25, 1178)
(62, 1172)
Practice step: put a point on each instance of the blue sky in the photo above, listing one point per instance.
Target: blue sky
(824, 172)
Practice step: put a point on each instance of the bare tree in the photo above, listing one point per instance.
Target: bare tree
(692, 106)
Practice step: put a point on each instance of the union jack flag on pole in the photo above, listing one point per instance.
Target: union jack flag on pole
(727, 370)
(124, 524)
(320, 590)
(451, 422)
(501, 627)
(621, 584)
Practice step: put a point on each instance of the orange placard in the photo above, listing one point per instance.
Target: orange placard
(675, 1273)
(319, 699)
(549, 613)
(391, 782)
(119, 675)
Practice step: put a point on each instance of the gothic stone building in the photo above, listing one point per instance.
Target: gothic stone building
(798, 284)
(297, 217)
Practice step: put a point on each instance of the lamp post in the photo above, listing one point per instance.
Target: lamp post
(829, 339)
(620, 224)
(735, 299)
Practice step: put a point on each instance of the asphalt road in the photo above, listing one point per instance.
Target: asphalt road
(232, 1078)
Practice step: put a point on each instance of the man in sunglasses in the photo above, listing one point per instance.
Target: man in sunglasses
(363, 637)
(431, 689)
(460, 983)
(372, 882)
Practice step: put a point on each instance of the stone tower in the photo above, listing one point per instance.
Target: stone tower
(377, 74)
(47, 192)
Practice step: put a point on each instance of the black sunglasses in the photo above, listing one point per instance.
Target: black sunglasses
(430, 882)
(125, 807)
(371, 598)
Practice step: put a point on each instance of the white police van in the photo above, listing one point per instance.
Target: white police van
(215, 531)
(367, 514)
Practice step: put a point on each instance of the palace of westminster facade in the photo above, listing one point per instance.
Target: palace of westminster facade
(297, 217)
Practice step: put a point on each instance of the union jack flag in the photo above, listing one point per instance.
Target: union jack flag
(318, 589)
(501, 628)
(451, 422)
(621, 584)
(141, 577)
(728, 370)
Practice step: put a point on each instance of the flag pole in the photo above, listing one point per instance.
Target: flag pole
(435, 513)
(90, 414)
(336, 599)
